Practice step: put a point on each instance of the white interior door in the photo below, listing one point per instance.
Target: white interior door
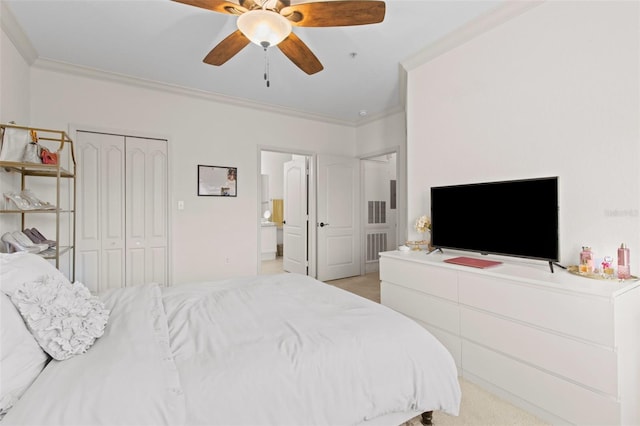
(296, 218)
(338, 227)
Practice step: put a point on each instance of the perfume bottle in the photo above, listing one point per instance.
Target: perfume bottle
(586, 261)
(624, 270)
(607, 267)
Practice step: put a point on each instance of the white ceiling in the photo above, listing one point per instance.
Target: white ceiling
(164, 41)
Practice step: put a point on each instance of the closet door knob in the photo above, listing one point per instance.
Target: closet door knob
(322, 224)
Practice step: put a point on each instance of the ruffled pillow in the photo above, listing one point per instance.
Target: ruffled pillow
(16, 268)
(64, 318)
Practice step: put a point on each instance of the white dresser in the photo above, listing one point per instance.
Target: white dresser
(564, 347)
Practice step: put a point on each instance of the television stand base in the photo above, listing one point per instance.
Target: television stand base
(557, 264)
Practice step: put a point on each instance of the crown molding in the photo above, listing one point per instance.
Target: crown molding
(66, 68)
(486, 22)
(19, 39)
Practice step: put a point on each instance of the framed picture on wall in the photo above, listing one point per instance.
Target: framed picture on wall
(217, 181)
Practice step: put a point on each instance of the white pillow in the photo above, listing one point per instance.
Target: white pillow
(21, 357)
(17, 268)
(64, 318)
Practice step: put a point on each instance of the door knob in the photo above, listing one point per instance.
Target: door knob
(322, 224)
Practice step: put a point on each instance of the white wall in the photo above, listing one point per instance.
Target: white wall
(551, 92)
(14, 84)
(380, 135)
(14, 103)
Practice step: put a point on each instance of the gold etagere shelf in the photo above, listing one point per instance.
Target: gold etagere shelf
(59, 142)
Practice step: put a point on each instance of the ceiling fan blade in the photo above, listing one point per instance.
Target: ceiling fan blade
(227, 48)
(300, 54)
(335, 13)
(249, 4)
(221, 6)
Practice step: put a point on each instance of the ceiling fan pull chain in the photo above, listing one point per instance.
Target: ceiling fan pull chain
(266, 66)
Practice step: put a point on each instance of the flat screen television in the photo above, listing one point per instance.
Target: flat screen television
(511, 218)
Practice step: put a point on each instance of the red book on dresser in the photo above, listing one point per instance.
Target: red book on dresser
(473, 262)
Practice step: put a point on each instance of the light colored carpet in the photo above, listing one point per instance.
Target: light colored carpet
(482, 408)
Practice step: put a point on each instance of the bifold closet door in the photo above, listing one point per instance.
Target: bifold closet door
(122, 211)
(100, 232)
(146, 212)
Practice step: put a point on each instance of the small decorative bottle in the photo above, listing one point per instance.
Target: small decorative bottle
(624, 270)
(607, 267)
(586, 261)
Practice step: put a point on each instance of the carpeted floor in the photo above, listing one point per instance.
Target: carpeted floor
(482, 408)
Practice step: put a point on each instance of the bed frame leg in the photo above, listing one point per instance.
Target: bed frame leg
(427, 418)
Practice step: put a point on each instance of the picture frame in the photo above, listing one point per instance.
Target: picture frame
(217, 181)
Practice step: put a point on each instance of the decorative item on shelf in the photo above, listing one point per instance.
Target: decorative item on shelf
(35, 202)
(586, 261)
(48, 157)
(575, 270)
(607, 267)
(14, 143)
(13, 200)
(423, 225)
(25, 200)
(32, 150)
(624, 270)
(416, 245)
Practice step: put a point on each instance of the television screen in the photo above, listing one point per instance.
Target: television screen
(513, 218)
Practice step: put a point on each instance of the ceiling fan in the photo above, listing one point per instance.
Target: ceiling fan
(269, 23)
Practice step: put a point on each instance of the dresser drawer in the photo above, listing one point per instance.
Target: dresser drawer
(420, 306)
(586, 317)
(438, 282)
(450, 341)
(594, 366)
(567, 400)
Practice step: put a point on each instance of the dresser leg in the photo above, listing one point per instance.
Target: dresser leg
(427, 418)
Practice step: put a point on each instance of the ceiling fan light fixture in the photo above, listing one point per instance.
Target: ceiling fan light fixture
(263, 27)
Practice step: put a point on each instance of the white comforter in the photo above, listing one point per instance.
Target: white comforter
(273, 350)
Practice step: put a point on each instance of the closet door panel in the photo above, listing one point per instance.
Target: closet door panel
(157, 193)
(159, 265)
(147, 210)
(136, 212)
(113, 204)
(157, 221)
(136, 261)
(113, 276)
(88, 269)
(136, 199)
(88, 208)
(100, 207)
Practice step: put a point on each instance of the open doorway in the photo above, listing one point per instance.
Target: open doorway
(380, 208)
(284, 213)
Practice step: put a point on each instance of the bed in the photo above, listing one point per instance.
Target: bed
(267, 350)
